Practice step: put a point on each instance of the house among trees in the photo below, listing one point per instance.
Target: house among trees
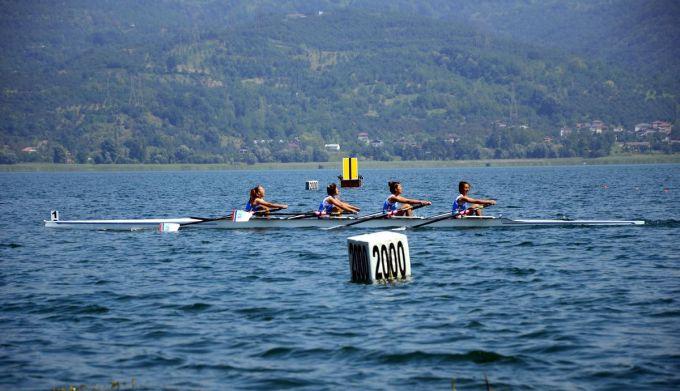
(642, 127)
(377, 144)
(451, 138)
(29, 150)
(637, 146)
(332, 147)
(564, 132)
(662, 126)
(597, 126)
(619, 133)
(363, 137)
(403, 142)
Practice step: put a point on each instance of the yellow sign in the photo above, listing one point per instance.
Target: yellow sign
(350, 168)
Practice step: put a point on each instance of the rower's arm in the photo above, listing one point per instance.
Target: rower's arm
(343, 205)
(272, 205)
(409, 201)
(476, 201)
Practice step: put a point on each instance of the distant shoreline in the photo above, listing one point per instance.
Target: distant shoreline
(367, 164)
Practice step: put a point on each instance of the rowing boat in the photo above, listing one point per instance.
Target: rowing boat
(283, 222)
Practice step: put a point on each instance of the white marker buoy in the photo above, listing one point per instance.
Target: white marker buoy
(312, 185)
(379, 256)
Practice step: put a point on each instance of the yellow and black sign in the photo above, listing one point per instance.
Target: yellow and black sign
(350, 173)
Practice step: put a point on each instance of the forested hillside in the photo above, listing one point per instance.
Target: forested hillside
(223, 81)
(630, 33)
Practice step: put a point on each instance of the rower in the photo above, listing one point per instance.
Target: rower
(397, 205)
(332, 205)
(460, 204)
(257, 204)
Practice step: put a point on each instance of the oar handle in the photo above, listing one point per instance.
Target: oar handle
(265, 212)
(418, 206)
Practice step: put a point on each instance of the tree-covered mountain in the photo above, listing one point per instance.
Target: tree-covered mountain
(630, 33)
(219, 81)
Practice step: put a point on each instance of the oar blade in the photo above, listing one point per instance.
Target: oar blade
(168, 227)
(241, 216)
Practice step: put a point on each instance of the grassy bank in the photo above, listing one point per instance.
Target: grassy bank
(616, 159)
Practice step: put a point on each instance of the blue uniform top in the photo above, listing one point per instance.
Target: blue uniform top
(458, 206)
(390, 206)
(326, 207)
(251, 208)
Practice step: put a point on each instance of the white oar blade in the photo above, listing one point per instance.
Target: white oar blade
(241, 216)
(168, 227)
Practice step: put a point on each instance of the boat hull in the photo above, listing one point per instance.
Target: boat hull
(273, 223)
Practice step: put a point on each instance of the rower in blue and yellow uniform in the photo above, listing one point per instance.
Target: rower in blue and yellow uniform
(332, 205)
(392, 203)
(460, 206)
(257, 204)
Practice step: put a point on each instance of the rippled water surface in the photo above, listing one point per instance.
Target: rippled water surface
(540, 308)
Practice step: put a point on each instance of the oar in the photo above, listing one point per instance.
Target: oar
(373, 216)
(236, 215)
(267, 212)
(302, 215)
(358, 221)
(289, 213)
(205, 219)
(434, 219)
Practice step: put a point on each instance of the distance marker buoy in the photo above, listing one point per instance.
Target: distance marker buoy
(312, 185)
(380, 256)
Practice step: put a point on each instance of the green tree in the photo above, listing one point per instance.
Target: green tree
(59, 154)
(7, 156)
(108, 153)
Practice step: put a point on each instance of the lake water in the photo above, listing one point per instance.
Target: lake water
(539, 308)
